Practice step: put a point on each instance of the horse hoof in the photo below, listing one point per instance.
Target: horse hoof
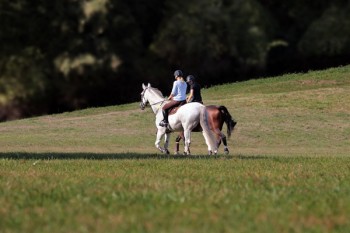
(164, 151)
(176, 153)
(226, 151)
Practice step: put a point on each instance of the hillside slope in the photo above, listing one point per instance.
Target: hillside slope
(294, 114)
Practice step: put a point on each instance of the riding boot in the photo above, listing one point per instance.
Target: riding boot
(164, 122)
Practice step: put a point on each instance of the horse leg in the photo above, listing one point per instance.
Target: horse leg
(177, 145)
(210, 151)
(166, 143)
(218, 135)
(160, 134)
(223, 138)
(187, 134)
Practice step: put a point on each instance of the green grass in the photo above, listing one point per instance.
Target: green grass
(97, 170)
(159, 194)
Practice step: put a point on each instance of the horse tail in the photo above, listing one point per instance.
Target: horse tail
(207, 133)
(230, 122)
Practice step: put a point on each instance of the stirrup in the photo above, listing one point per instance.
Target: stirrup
(163, 123)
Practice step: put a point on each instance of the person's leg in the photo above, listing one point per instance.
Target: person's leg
(166, 108)
(164, 122)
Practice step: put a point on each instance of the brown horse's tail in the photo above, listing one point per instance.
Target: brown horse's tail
(230, 122)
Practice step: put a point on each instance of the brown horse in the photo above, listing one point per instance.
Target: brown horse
(217, 116)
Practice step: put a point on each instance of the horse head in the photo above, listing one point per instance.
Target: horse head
(144, 99)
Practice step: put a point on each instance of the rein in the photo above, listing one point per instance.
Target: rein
(161, 102)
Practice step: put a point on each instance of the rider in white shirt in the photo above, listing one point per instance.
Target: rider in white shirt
(176, 97)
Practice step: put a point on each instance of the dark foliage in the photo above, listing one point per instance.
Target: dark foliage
(63, 55)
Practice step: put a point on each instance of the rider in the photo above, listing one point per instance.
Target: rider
(195, 90)
(177, 96)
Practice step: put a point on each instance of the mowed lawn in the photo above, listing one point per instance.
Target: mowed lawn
(97, 170)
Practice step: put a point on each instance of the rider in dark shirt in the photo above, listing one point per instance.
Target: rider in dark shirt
(195, 90)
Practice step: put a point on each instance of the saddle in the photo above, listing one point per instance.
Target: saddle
(174, 109)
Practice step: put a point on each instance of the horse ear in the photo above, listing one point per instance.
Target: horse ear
(149, 85)
(143, 86)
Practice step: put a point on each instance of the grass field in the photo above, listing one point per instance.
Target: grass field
(97, 170)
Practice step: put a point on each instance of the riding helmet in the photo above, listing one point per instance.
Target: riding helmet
(190, 78)
(178, 73)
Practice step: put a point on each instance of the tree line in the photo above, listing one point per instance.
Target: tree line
(62, 55)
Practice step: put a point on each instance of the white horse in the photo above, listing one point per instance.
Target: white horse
(185, 119)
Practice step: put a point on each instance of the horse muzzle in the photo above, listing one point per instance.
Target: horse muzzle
(142, 106)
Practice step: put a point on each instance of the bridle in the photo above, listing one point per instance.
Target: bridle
(143, 105)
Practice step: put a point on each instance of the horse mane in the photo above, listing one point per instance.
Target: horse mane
(157, 92)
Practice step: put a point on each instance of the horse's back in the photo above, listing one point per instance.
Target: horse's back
(190, 108)
(190, 113)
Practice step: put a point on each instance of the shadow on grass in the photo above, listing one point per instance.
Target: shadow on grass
(107, 156)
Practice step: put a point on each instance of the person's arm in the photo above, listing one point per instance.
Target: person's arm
(173, 91)
(170, 96)
(190, 96)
